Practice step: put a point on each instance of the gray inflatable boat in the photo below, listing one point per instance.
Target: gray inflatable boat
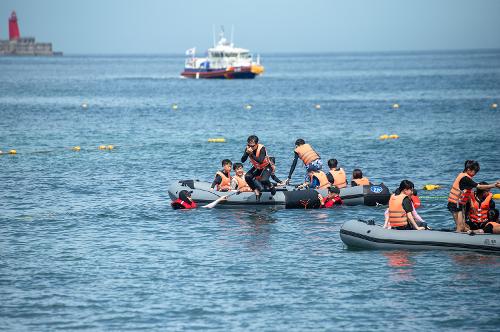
(286, 197)
(366, 235)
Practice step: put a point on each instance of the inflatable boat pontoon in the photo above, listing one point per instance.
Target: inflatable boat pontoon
(366, 235)
(287, 197)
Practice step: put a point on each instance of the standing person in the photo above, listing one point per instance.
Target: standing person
(238, 181)
(332, 199)
(258, 176)
(461, 191)
(400, 208)
(336, 176)
(310, 158)
(222, 180)
(478, 207)
(358, 179)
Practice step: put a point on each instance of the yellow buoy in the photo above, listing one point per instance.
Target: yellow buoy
(496, 196)
(393, 136)
(217, 140)
(110, 147)
(382, 137)
(431, 187)
(317, 106)
(12, 151)
(494, 105)
(248, 107)
(102, 147)
(395, 106)
(76, 148)
(175, 106)
(85, 106)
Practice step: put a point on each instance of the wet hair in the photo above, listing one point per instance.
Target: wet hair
(253, 138)
(226, 162)
(480, 192)
(273, 160)
(184, 194)
(471, 165)
(415, 192)
(334, 189)
(237, 165)
(332, 163)
(493, 215)
(299, 142)
(406, 184)
(357, 174)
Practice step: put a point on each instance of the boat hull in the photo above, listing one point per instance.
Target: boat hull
(230, 73)
(286, 197)
(358, 234)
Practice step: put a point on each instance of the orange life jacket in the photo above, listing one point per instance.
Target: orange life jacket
(362, 182)
(264, 163)
(456, 195)
(306, 153)
(339, 178)
(242, 184)
(478, 212)
(397, 215)
(225, 183)
(321, 176)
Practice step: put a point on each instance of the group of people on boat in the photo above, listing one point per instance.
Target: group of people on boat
(472, 211)
(258, 178)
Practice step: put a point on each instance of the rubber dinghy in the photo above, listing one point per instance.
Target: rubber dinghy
(366, 235)
(287, 196)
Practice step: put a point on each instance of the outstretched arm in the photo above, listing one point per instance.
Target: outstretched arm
(214, 203)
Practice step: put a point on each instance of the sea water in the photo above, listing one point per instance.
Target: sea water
(88, 239)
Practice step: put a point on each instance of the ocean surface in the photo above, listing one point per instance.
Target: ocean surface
(88, 240)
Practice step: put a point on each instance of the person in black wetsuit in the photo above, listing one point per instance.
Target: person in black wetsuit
(258, 176)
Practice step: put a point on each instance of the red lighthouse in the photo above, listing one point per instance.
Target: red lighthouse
(13, 27)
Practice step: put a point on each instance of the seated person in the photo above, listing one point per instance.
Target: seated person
(400, 208)
(476, 209)
(238, 181)
(332, 199)
(415, 204)
(492, 226)
(336, 176)
(185, 202)
(317, 180)
(358, 179)
(222, 180)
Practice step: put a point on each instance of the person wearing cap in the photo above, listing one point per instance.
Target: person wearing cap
(332, 199)
(184, 201)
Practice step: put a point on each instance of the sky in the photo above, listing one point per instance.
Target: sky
(263, 26)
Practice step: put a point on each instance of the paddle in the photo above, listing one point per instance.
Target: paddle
(220, 199)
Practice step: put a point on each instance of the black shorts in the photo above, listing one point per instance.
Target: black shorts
(474, 226)
(453, 207)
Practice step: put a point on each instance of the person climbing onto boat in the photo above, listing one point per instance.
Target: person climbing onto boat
(258, 176)
(222, 181)
(310, 158)
(185, 202)
(477, 208)
(461, 191)
(415, 204)
(332, 199)
(400, 208)
(238, 180)
(272, 161)
(358, 179)
(336, 176)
